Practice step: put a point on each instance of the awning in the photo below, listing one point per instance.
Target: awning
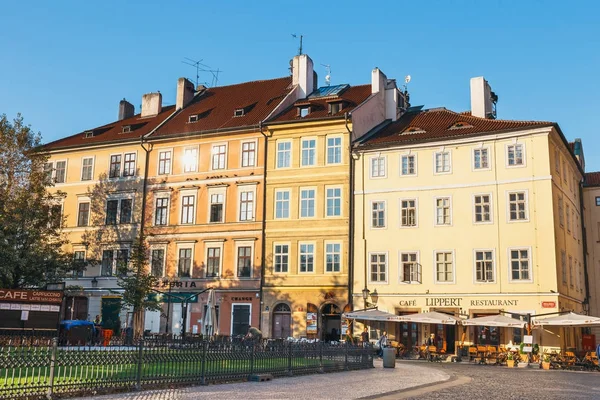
(495, 320)
(374, 315)
(432, 317)
(569, 319)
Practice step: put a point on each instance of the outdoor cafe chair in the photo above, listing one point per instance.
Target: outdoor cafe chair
(433, 353)
(473, 353)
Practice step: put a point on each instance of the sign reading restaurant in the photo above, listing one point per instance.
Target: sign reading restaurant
(458, 302)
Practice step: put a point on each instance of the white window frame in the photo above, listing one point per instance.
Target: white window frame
(289, 257)
(164, 150)
(371, 159)
(506, 150)
(194, 167)
(517, 221)
(401, 268)
(53, 175)
(115, 249)
(289, 202)
(491, 221)
(244, 243)
(119, 199)
(81, 200)
(162, 247)
(185, 193)
(435, 208)
(290, 152)
(314, 257)
(135, 171)
(494, 269)
(80, 249)
(489, 158)
(217, 191)
(314, 202)
(214, 244)
(314, 150)
(222, 157)
(185, 245)
(387, 268)
(120, 174)
(408, 155)
(93, 158)
(442, 151)
(161, 195)
(325, 253)
(341, 199)
(246, 189)
(529, 260)
(242, 143)
(384, 214)
(435, 277)
(334, 146)
(416, 200)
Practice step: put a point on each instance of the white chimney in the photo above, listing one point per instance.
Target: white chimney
(303, 75)
(388, 93)
(185, 93)
(483, 100)
(151, 104)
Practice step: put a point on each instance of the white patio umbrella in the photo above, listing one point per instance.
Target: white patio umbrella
(432, 317)
(210, 325)
(569, 319)
(495, 320)
(374, 315)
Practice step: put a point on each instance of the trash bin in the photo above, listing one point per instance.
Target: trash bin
(107, 335)
(389, 357)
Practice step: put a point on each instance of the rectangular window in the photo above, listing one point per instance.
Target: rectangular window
(482, 204)
(563, 264)
(444, 268)
(377, 167)
(87, 168)
(184, 263)
(216, 207)
(213, 262)
(574, 222)
(517, 203)
(190, 159)
(480, 159)
(334, 202)
(282, 204)
(158, 260)
(49, 170)
(571, 281)
(378, 214)
(409, 212)
(107, 263)
(112, 208)
(408, 165)
(248, 154)
(244, 262)
(122, 261)
(442, 211)
(334, 150)
(515, 154)
(125, 212)
(79, 263)
(218, 156)
(307, 255)
(187, 209)
(557, 162)
(83, 214)
(484, 266)
(561, 212)
(597, 201)
(308, 152)
(60, 172)
(281, 258)
(378, 267)
(162, 210)
(568, 219)
(442, 162)
(164, 162)
(307, 203)
(240, 319)
(410, 269)
(284, 152)
(246, 206)
(333, 256)
(115, 166)
(564, 164)
(519, 265)
(56, 216)
(129, 165)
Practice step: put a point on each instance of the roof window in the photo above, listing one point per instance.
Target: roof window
(193, 118)
(460, 125)
(336, 107)
(411, 130)
(88, 134)
(239, 112)
(303, 111)
(126, 129)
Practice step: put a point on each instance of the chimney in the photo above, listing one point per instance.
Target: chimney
(303, 75)
(126, 110)
(483, 100)
(185, 93)
(151, 104)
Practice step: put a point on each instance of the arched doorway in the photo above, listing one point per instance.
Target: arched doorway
(282, 321)
(331, 318)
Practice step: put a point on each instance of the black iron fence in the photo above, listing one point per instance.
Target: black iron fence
(38, 366)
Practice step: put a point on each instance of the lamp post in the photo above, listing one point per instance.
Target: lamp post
(374, 297)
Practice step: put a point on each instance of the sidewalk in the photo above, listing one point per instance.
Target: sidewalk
(338, 385)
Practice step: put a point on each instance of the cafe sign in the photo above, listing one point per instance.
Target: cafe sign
(31, 296)
(460, 302)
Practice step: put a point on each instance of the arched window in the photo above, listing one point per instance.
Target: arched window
(282, 307)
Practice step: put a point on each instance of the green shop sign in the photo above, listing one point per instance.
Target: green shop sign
(173, 297)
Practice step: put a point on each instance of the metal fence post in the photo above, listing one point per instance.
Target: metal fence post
(346, 357)
(203, 367)
(252, 354)
(320, 356)
(52, 366)
(138, 385)
(290, 373)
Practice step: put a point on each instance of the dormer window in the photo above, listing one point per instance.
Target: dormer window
(335, 108)
(88, 134)
(238, 112)
(193, 118)
(303, 111)
(413, 130)
(460, 125)
(126, 129)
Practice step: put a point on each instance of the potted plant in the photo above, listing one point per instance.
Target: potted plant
(546, 362)
(510, 362)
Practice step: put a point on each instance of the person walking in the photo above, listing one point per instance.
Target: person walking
(383, 342)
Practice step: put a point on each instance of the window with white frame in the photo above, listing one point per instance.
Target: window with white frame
(83, 214)
(284, 154)
(568, 219)
(378, 214)
(484, 266)
(248, 154)
(164, 162)
(561, 212)
(442, 162)
(333, 257)
(334, 150)
(378, 267)
(115, 166)
(307, 255)
(56, 171)
(442, 211)
(444, 266)
(563, 264)
(190, 159)
(515, 154)
(334, 202)
(571, 281)
(157, 263)
(408, 209)
(377, 167)
(482, 204)
(188, 208)
(281, 258)
(408, 164)
(247, 206)
(56, 215)
(244, 262)
(219, 153)
(410, 269)
(309, 147)
(118, 211)
(282, 204)
(481, 158)
(184, 262)
(114, 261)
(213, 262)
(129, 164)
(161, 211)
(78, 263)
(216, 207)
(520, 265)
(87, 168)
(517, 203)
(307, 203)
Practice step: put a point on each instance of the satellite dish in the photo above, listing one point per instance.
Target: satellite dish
(328, 79)
(407, 79)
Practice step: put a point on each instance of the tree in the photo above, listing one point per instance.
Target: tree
(31, 240)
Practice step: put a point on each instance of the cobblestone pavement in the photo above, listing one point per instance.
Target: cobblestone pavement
(338, 385)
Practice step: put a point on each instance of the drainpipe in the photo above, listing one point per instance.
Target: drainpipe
(351, 216)
(264, 227)
(145, 184)
(586, 299)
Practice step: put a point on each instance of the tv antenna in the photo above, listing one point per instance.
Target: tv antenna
(300, 48)
(200, 67)
(407, 79)
(328, 76)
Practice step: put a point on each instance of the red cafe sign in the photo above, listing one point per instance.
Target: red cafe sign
(548, 304)
(31, 296)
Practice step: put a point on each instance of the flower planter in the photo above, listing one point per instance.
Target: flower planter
(510, 363)
(545, 365)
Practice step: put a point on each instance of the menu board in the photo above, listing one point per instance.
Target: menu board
(311, 323)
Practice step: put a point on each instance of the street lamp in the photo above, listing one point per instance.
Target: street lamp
(374, 296)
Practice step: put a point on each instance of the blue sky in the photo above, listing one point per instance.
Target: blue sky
(66, 64)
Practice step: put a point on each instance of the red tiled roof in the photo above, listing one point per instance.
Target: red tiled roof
(215, 107)
(113, 132)
(591, 179)
(440, 123)
(352, 97)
